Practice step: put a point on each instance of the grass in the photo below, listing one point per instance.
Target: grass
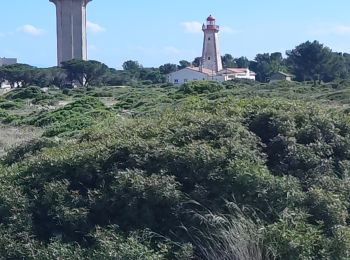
(232, 236)
(11, 136)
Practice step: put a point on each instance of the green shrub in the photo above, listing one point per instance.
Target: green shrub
(285, 163)
(26, 93)
(200, 87)
(10, 105)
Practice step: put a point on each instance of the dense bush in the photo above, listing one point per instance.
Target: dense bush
(136, 187)
(8, 118)
(25, 93)
(73, 117)
(285, 160)
(199, 87)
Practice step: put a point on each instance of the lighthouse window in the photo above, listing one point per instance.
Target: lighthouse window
(208, 38)
(208, 58)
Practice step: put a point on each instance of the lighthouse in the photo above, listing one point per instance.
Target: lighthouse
(211, 58)
(210, 67)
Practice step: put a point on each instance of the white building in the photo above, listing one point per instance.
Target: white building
(196, 73)
(237, 73)
(7, 61)
(211, 63)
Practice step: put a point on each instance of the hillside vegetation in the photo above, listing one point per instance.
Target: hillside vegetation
(239, 170)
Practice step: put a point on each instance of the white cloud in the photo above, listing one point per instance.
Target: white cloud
(192, 27)
(94, 27)
(31, 30)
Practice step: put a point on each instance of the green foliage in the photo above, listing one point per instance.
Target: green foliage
(9, 105)
(8, 118)
(27, 149)
(141, 100)
(314, 61)
(25, 93)
(266, 64)
(73, 117)
(18, 74)
(200, 87)
(125, 181)
(293, 238)
(110, 245)
(85, 72)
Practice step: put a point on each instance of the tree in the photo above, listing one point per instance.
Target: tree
(19, 74)
(197, 61)
(132, 66)
(152, 75)
(85, 72)
(117, 77)
(184, 64)
(41, 77)
(313, 61)
(2, 75)
(228, 61)
(58, 76)
(277, 63)
(242, 62)
(167, 68)
(261, 65)
(266, 64)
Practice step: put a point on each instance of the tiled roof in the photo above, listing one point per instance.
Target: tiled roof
(237, 71)
(202, 70)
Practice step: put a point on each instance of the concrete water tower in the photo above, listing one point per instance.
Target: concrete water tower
(71, 29)
(211, 57)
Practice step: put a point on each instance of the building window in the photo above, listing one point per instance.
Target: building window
(208, 38)
(208, 58)
(176, 81)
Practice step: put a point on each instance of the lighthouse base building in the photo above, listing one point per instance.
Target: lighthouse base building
(196, 73)
(211, 64)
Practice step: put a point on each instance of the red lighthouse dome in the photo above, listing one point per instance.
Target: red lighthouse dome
(210, 18)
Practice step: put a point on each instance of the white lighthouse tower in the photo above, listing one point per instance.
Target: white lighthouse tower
(211, 58)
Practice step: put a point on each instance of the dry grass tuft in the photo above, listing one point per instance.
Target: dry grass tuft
(11, 136)
(228, 237)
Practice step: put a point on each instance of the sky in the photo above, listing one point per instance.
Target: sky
(155, 32)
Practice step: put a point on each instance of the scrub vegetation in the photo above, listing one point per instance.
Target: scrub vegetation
(98, 163)
(240, 170)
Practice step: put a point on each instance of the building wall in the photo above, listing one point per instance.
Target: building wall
(186, 75)
(7, 61)
(245, 76)
(5, 85)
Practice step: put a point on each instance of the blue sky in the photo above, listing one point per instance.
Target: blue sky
(155, 32)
